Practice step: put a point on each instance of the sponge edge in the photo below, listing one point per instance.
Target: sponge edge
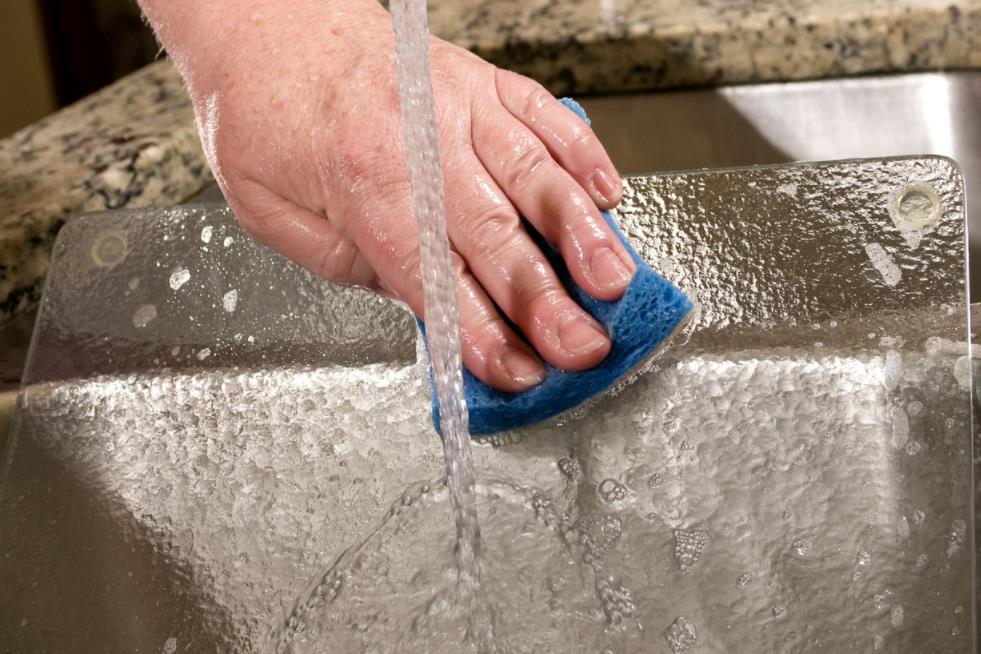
(639, 324)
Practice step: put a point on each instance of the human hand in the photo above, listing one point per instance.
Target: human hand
(299, 115)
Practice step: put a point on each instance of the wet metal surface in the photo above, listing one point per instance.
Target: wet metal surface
(186, 470)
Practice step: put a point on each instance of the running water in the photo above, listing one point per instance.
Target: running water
(421, 137)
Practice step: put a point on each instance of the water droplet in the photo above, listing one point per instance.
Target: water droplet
(688, 548)
(802, 546)
(229, 300)
(617, 601)
(570, 468)
(544, 508)
(884, 264)
(963, 371)
(144, 314)
(892, 370)
(597, 534)
(179, 277)
(896, 616)
(228, 241)
(881, 600)
(900, 427)
(681, 635)
(902, 528)
(958, 531)
(612, 491)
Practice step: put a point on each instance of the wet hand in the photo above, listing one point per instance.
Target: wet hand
(300, 121)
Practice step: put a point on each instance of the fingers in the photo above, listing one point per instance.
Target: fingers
(492, 351)
(487, 232)
(301, 235)
(553, 202)
(568, 138)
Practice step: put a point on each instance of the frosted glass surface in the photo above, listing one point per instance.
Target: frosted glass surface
(216, 450)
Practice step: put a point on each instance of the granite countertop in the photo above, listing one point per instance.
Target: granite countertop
(613, 46)
(134, 143)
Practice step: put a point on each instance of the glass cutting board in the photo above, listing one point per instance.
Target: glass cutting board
(210, 440)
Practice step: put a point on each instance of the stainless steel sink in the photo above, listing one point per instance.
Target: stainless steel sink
(930, 113)
(216, 451)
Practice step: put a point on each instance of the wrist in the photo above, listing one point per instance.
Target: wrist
(215, 42)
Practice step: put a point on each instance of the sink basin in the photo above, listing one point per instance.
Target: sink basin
(216, 451)
(929, 113)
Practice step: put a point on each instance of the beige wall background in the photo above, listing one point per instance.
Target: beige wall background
(26, 87)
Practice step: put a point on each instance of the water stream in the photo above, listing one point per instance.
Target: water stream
(421, 138)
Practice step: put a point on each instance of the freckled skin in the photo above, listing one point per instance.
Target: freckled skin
(309, 152)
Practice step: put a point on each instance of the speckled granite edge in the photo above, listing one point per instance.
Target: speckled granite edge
(643, 53)
(131, 144)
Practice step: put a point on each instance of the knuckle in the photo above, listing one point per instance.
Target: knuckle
(583, 229)
(458, 265)
(409, 266)
(366, 165)
(478, 320)
(493, 232)
(530, 160)
(257, 224)
(539, 296)
(336, 262)
(584, 139)
(535, 101)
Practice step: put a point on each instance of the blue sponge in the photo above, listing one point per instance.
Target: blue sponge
(639, 323)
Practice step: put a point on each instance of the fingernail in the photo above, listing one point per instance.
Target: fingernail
(578, 335)
(609, 269)
(522, 367)
(611, 191)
